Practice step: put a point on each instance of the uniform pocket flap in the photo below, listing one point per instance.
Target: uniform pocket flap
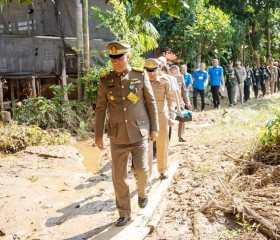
(144, 127)
(112, 130)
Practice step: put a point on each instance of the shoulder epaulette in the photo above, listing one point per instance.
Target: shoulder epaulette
(103, 75)
(138, 69)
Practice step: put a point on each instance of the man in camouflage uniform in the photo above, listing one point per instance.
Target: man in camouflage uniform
(133, 120)
(231, 80)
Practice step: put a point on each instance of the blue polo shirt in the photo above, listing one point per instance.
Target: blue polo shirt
(215, 74)
(200, 78)
(188, 80)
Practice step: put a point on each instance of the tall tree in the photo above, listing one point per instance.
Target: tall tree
(197, 33)
(255, 12)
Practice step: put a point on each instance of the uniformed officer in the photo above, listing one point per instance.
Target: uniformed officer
(274, 76)
(231, 80)
(240, 87)
(258, 79)
(166, 114)
(248, 82)
(266, 79)
(133, 119)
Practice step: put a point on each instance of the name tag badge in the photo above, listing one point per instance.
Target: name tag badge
(200, 77)
(132, 97)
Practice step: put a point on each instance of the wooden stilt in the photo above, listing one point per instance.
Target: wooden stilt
(1, 96)
(34, 86)
(12, 91)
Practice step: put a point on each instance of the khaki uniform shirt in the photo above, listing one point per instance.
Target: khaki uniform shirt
(183, 89)
(131, 107)
(164, 97)
(274, 72)
(241, 73)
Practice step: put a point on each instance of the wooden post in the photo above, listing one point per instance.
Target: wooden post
(86, 35)
(34, 86)
(39, 87)
(63, 73)
(80, 51)
(12, 91)
(1, 95)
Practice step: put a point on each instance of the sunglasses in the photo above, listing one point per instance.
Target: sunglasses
(151, 69)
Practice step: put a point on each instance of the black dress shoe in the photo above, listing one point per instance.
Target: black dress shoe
(163, 176)
(142, 202)
(182, 140)
(122, 221)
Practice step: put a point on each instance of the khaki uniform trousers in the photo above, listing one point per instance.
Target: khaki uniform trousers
(162, 144)
(181, 130)
(120, 153)
(239, 92)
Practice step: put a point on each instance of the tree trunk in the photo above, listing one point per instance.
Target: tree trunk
(80, 45)
(86, 35)
(1, 96)
(268, 42)
(198, 56)
(254, 44)
(63, 73)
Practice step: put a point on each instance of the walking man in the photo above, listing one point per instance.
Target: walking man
(166, 114)
(200, 77)
(274, 76)
(248, 82)
(257, 80)
(216, 79)
(231, 80)
(175, 72)
(132, 121)
(240, 87)
(265, 84)
(187, 77)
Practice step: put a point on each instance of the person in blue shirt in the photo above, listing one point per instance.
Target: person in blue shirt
(200, 77)
(216, 79)
(187, 78)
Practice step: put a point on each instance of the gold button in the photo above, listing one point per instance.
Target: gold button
(122, 86)
(125, 120)
(124, 109)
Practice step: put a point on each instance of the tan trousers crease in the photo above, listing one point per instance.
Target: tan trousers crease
(120, 153)
(181, 130)
(162, 144)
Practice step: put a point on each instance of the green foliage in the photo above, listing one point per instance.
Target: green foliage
(141, 34)
(271, 133)
(14, 138)
(197, 30)
(90, 81)
(52, 113)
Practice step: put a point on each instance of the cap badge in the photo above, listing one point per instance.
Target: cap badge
(114, 50)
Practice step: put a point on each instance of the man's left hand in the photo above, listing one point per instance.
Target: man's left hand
(153, 136)
(171, 122)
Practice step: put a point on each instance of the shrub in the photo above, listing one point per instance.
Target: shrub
(14, 138)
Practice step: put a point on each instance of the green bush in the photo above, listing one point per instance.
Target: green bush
(14, 138)
(52, 113)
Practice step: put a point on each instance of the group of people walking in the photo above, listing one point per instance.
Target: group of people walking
(141, 106)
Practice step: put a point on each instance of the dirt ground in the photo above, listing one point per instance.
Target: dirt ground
(50, 192)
